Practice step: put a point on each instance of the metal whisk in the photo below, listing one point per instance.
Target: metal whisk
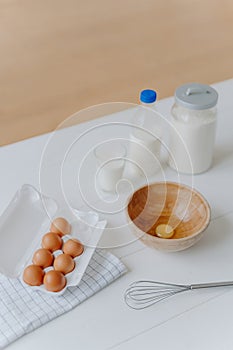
(142, 294)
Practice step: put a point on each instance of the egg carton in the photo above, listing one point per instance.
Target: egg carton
(72, 279)
(25, 221)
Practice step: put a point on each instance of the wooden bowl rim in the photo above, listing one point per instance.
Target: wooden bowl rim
(208, 211)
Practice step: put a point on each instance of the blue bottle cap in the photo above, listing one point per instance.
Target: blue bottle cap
(148, 96)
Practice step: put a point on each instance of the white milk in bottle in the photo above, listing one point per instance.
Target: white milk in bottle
(144, 148)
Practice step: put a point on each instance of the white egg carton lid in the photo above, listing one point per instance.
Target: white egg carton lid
(24, 222)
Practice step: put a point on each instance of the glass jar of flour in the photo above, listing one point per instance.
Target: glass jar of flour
(193, 128)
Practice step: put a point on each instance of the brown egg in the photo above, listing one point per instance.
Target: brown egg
(51, 241)
(42, 257)
(73, 247)
(60, 226)
(54, 281)
(64, 263)
(33, 275)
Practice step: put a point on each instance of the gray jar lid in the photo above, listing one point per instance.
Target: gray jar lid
(196, 96)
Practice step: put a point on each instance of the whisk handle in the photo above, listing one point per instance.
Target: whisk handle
(211, 285)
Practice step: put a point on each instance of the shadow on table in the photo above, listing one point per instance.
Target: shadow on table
(215, 236)
(222, 155)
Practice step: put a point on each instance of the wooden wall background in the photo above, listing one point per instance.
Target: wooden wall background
(58, 56)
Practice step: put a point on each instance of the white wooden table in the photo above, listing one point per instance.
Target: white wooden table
(196, 320)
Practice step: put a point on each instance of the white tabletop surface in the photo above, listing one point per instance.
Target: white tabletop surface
(197, 320)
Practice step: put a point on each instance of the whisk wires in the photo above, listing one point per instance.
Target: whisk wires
(142, 294)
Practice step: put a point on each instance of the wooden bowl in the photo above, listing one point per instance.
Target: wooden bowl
(177, 205)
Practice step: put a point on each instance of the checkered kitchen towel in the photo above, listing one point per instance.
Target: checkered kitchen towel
(21, 312)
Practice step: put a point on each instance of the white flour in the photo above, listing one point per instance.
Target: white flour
(192, 139)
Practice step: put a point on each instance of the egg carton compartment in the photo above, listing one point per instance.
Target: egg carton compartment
(72, 278)
(25, 221)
